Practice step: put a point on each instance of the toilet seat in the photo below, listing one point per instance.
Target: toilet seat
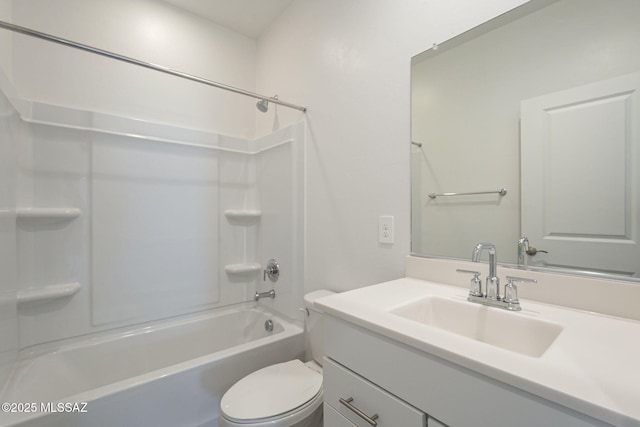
(277, 391)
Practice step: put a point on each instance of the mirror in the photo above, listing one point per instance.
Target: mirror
(541, 102)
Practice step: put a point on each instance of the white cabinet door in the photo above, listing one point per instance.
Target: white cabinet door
(580, 171)
(333, 419)
(363, 403)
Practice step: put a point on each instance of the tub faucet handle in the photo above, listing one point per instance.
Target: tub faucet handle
(272, 271)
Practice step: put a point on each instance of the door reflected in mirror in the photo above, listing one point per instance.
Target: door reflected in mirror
(543, 102)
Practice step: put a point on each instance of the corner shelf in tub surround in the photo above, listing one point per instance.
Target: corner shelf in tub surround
(242, 268)
(47, 215)
(243, 213)
(48, 292)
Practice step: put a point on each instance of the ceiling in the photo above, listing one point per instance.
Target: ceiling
(248, 17)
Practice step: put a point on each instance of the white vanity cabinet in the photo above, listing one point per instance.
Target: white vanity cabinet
(352, 401)
(363, 403)
(406, 386)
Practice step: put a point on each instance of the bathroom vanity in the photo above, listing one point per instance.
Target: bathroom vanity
(413, 352)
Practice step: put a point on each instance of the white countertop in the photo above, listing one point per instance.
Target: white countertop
(592, 367)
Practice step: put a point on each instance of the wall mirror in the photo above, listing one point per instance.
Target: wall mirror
(543, 102)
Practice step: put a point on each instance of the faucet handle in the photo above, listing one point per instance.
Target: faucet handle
(272, 271)
(475, 285)
(511, 291)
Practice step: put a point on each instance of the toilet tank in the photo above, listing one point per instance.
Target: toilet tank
(315, 325)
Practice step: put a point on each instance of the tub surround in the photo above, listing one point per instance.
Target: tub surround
(79, 234)
(590, 368)
(8, 242)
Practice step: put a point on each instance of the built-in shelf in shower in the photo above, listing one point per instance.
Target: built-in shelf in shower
(244, 217)
(242, 268)
(47, 215)
(243, 213)
(49, 292)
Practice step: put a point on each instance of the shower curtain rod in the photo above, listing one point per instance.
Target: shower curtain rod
(54, 39)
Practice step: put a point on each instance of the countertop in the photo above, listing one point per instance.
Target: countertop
(592, 367)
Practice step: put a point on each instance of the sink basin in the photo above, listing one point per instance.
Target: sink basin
(508, 330)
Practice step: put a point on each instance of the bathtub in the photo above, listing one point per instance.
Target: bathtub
(170, 374)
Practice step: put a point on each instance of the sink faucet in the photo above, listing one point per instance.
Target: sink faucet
(493, 282)
(492, 297)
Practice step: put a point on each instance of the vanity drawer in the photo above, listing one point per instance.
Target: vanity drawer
(357, 399)
(332, 418)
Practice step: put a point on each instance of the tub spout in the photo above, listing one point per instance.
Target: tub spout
(260, 295)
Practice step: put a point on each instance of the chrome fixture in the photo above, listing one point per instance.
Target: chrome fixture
(501, 192)
(272, 271)
(475, 288)
(305, 310)
(268, 325)
(263, 104)
(370, 419)
(48, 37)
(510, 299)
(259, 295)
(492, 297)
(493, 282)
(524, 248)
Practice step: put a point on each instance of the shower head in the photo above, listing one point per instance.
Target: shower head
(263, 104)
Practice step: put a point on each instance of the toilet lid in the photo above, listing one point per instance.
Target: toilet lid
(271, 391)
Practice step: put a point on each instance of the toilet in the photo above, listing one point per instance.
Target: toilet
(286, 394)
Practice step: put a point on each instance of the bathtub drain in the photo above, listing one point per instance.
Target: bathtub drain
(268, 325)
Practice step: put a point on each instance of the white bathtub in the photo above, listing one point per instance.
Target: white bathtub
(173, 374)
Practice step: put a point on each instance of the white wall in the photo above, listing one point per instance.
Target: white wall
(147, 30)
(348, 61)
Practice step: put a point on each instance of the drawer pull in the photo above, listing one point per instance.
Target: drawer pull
(369, 419)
